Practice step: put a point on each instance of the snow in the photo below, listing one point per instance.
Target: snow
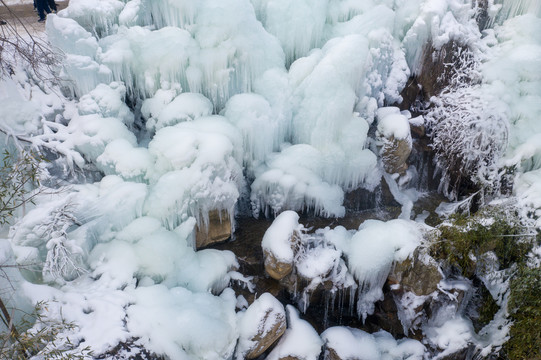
(289, 181)
(298, 25)
(171, 109)
(184, 107)
(196, 170)
(318, 263)
(183, 324)
(391, 123)
(253, 115)
(453, 335)
(12, 281)
(438, 22)
(19, 116)
(96, 16)
(122, 158)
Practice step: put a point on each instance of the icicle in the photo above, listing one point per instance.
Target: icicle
(512, 8)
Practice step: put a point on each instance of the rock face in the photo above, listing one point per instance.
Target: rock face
(218, 229)
(261, 325)
(330, 354)
(419, 274)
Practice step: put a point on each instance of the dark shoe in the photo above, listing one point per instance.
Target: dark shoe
(2, 22)
(41, 20)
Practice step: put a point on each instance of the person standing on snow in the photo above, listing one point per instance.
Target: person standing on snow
(52, 5)
(42, 6)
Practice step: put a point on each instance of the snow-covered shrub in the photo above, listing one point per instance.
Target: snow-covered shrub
(469, 134)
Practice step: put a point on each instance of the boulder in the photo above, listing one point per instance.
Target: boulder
(279, 243)
(217, 230)
(260, 326)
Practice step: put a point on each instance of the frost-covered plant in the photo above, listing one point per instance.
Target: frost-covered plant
(18, 178)
(468, 134)
(63, 255)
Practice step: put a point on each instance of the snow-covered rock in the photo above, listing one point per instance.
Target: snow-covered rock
(279, 243)
(260, 326)
(394, 133)
(300, 341)
(345, 343)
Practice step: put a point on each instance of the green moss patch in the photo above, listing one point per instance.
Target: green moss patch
(525, 312)
(464, 239)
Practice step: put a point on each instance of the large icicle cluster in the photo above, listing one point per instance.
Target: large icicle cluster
(347, 259)
(311, 102)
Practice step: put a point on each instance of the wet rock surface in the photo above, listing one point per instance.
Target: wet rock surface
(413, 293)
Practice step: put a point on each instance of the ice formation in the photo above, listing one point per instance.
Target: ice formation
(279, 237)
(180, 108)
(371, 252)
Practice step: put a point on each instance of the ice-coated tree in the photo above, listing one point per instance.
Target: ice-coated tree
(63, 255)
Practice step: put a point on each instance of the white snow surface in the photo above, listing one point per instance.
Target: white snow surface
(280, 236)
(350, 343)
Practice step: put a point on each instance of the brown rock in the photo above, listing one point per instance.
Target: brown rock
(275, 268)
(417, 130)
(217, 230)
(437, 67)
